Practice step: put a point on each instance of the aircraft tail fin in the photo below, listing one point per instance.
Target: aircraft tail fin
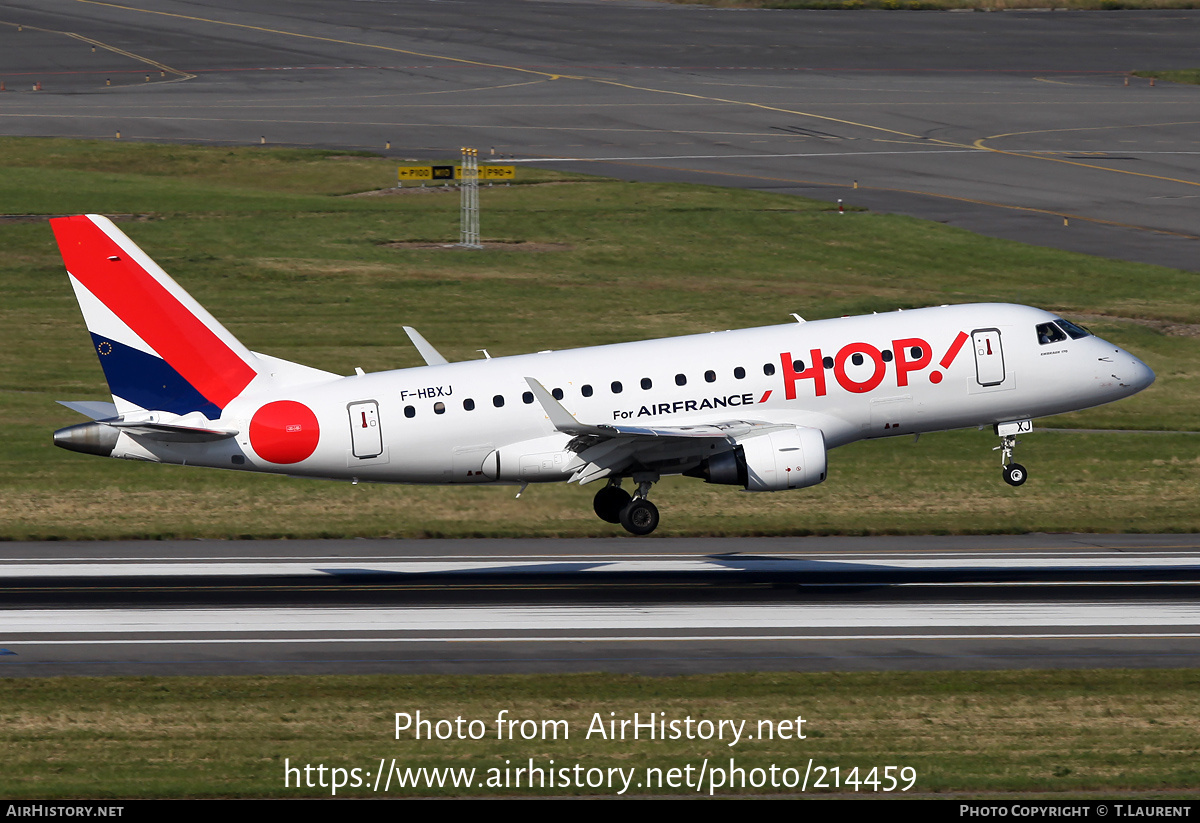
(159, 348)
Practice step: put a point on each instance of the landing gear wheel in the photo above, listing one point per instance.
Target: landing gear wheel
(1015, 474)
(609, 503)
(640, 517)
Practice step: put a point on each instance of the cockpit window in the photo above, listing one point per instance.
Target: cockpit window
(1076, 331)
(1048, 333)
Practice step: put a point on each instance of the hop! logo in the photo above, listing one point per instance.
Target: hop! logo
(911, 354)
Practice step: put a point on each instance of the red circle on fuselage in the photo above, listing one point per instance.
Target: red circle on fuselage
(284, 432)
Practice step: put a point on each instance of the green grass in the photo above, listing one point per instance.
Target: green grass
(1053, 732)
(265, 239)
(1190, 76)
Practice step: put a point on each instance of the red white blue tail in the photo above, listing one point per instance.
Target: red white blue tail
(159, 348)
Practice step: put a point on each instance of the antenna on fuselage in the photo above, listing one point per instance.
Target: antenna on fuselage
(799, 319)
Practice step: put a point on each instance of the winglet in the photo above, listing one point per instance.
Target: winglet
(432, 356)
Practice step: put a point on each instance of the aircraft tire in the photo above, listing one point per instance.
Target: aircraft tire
(609, 502)
(1015, 474)
(640, 517)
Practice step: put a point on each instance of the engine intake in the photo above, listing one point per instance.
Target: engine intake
(775, 461)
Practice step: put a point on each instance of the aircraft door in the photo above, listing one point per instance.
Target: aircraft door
(366, 438)
(989, 357)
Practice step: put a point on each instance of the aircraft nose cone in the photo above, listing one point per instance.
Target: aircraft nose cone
(1131, 374)
(1141, 375)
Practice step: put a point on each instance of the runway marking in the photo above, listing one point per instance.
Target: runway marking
(818, 154)
(393, 124)
(464, 61)
(550, 75)
(826, 184)
(814, 154)
(1037, 156)
(406, 621)
(653, 638)
(978, 144)
(182, 75)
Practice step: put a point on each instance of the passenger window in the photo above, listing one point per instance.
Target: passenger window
(439, 407)
(647, 383)
(797, 366)
(558, 394)
(768, 369)
(886, 354)
(616, 387)
(469, 404)
(739, 373)
(680, 380)
(915, 352)
(856, 359)
(409, 411)
(585, 390)
(827, 362)
(526, 398)
(710, 376)
(498, 401)
(1048, 333)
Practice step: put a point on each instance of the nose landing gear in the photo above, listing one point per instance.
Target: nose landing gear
(1014, 473)
(615, 505)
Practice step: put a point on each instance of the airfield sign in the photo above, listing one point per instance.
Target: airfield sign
(433, 174)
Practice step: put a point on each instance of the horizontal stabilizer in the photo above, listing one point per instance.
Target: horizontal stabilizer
(172, 433)
(95, 409)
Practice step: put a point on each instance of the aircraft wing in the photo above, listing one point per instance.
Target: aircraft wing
(606, 449)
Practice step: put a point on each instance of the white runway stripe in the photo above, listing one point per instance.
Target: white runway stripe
(606, 618)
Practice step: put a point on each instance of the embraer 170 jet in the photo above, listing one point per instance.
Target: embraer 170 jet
(757, 408)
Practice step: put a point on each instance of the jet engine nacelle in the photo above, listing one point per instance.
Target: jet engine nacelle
(778, 460)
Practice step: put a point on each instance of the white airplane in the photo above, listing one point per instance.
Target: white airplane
(757, 408)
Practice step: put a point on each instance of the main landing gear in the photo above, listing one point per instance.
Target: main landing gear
(615, 505)
(1014, 473)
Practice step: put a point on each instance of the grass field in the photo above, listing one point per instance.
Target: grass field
(269, 241)
(1189, 76)
(1059, 733)
(274, 245)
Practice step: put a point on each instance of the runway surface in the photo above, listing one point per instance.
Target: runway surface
(619, 605)
(1019, 125)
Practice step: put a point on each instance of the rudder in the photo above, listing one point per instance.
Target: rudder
(159, 348)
